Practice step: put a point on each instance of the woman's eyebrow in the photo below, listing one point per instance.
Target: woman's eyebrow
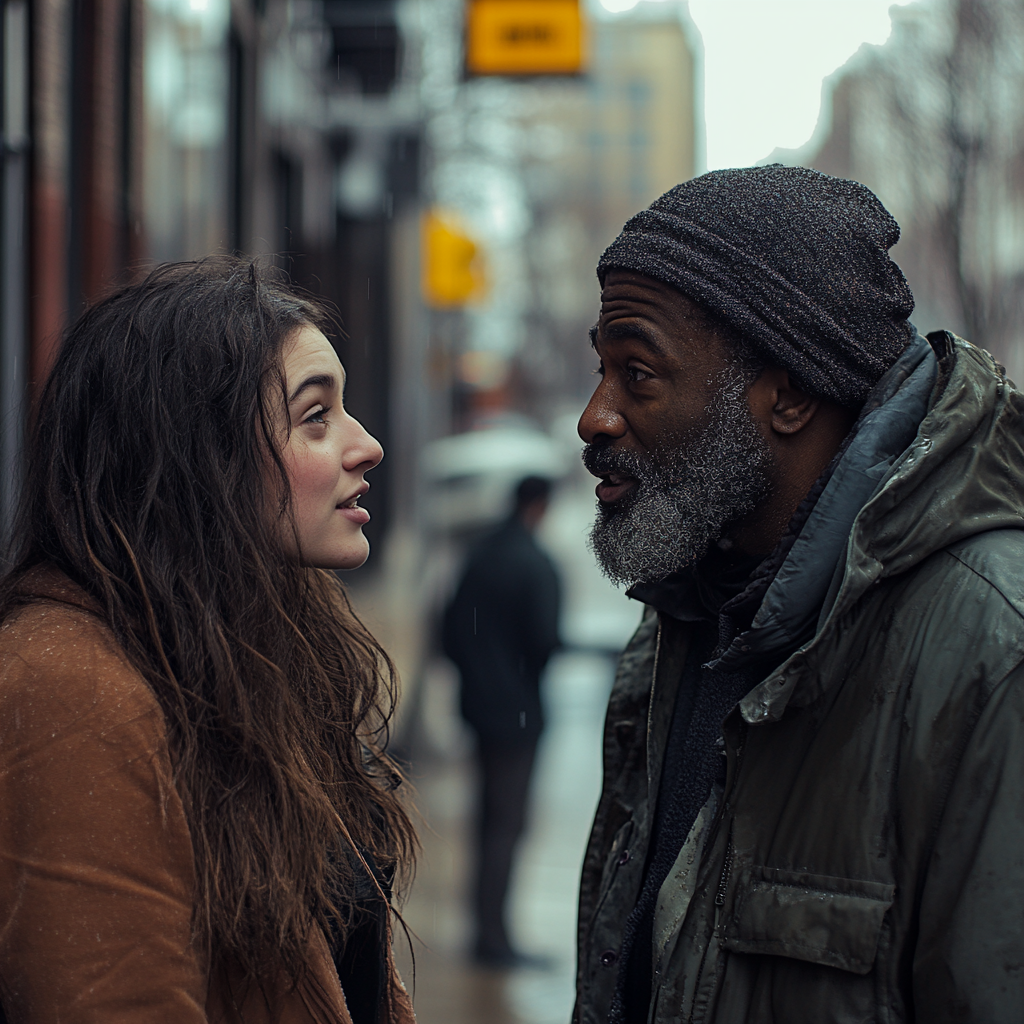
(318, 380)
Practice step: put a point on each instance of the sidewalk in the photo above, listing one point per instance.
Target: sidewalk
(567, 782)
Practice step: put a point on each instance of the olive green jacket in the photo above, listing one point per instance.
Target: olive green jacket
(865, 861)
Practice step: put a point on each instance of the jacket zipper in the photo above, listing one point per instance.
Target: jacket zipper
(650, 705)
(723, 881)
(723, 878)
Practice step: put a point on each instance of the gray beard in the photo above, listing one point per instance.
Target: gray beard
(685, 495)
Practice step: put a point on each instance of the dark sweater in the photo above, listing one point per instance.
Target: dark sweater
(693, 763)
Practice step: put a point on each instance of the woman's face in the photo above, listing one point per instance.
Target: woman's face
(326, 454)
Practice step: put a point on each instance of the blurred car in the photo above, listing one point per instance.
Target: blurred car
(470, 476)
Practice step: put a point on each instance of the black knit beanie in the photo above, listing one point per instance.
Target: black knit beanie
(795, 261)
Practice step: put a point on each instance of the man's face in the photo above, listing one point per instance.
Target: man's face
(669, 432)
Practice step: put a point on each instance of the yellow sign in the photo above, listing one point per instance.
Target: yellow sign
(524, 37)
(452, 264)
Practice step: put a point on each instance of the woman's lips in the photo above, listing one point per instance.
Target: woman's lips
(613, 487)
(350, 509)
(354, 514)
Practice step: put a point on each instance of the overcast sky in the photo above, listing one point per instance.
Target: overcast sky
(764, 63)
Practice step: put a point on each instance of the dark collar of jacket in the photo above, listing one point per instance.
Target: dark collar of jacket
(959, 473)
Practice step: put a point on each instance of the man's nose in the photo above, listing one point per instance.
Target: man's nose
(601, 417)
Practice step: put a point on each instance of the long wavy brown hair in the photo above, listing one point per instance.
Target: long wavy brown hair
(153, 475)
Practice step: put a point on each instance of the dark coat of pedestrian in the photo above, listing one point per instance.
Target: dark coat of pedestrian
(500, 629)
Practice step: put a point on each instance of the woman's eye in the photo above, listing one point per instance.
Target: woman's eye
(317, 416)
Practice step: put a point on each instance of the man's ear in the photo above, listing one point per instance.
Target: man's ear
(779, 404)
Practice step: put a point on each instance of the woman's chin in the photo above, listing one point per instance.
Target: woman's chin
(351, 556)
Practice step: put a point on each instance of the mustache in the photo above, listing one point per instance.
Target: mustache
(602, 460)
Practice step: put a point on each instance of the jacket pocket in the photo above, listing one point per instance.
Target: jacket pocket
(820, 919)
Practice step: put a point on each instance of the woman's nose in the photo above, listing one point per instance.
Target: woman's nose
(364, 451)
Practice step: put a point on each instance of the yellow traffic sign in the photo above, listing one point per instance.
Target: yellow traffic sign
(452, 264)
(524, 37)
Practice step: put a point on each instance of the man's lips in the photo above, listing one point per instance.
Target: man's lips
(620, 471)
(613, 486)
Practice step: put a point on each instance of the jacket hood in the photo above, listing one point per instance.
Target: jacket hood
(962, 474)
(912, 490)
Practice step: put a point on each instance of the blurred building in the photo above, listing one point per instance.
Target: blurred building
(932, 122)
(14, 249)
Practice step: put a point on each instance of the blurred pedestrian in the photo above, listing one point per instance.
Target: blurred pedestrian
(500, 628)
(198, 823)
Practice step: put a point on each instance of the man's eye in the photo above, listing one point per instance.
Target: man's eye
(637, 374)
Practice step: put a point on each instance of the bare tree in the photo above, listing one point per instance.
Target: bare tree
(933, 122)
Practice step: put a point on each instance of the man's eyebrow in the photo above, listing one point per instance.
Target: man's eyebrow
(318, 380)
(635, 330)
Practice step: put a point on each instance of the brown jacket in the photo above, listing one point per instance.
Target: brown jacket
(96, 869)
